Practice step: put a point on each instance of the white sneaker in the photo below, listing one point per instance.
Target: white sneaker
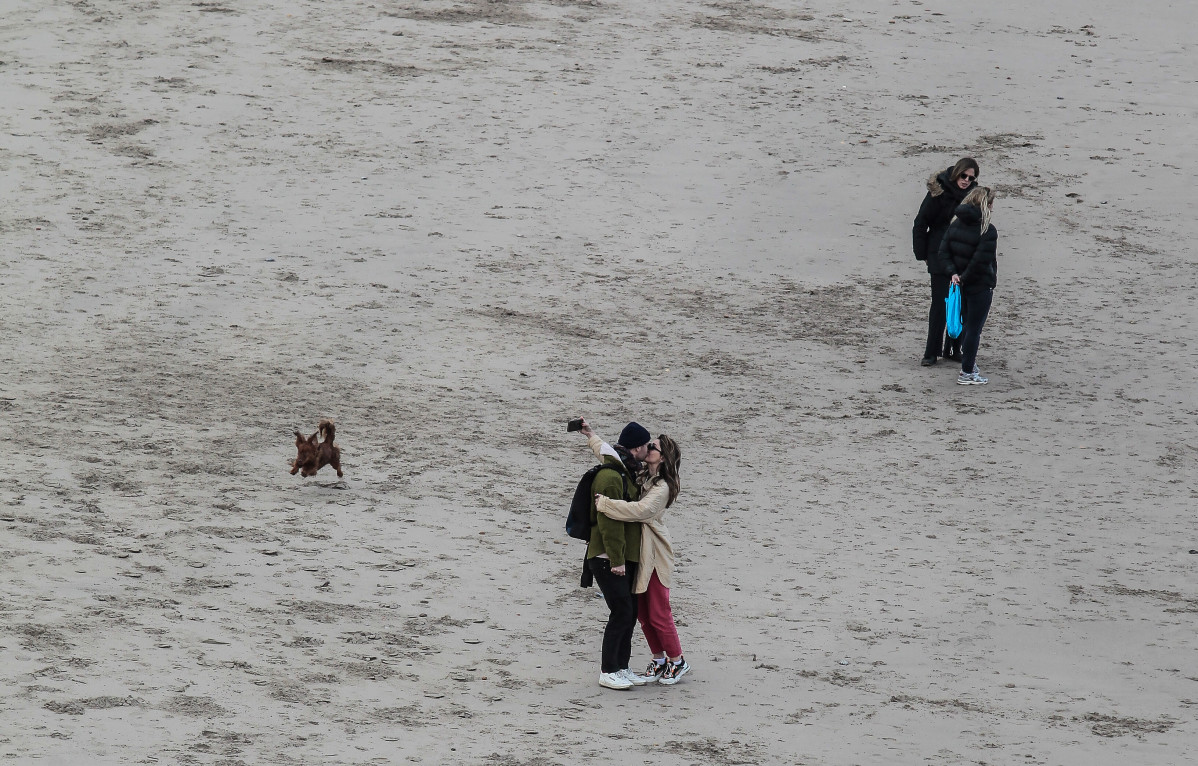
(633, 678)
(614, 681)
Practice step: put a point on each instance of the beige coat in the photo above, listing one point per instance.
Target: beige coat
(657, 553)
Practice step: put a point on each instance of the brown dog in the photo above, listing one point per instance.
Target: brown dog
(313, 455)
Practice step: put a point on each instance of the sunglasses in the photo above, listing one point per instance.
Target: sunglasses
(652, 447)
(968, 177)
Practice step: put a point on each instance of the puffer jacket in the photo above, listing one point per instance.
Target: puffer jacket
(934, 216)
(969, 253)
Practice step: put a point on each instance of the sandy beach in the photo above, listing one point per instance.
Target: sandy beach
(453, 225)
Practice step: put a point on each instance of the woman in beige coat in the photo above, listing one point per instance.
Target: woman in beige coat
(659, 489)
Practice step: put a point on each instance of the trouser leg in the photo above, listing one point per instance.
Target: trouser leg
(621, 620)
(657, 618)
(644, 607)
(977, 308)
(624, 653)
(936, 317)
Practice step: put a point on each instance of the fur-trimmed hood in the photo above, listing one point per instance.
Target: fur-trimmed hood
(936, 187)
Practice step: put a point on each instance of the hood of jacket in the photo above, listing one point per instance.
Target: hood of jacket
(625, 458)
(969, 214)
(939, 183)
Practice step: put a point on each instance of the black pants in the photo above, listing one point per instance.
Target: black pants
(939, 344)
(977, 308)
(621, 601)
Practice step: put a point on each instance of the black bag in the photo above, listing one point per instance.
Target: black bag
(578, 520)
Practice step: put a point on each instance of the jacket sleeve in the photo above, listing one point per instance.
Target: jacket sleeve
(611, 532)
(919, 232)
(983, 254)
(601, 448)
(944, 256)
(596, 444)
(650, 507)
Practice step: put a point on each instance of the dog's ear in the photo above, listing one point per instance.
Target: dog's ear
(312, 438)
(299, 438)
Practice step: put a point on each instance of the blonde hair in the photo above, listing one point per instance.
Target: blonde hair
(981, 197)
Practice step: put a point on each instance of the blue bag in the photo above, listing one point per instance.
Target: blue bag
(952, 306)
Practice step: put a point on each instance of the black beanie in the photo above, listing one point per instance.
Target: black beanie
(634, 435)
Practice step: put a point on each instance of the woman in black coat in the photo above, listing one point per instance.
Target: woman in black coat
(946, 190)
(969, 253)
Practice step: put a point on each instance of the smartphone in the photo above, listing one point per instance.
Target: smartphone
(574, 425)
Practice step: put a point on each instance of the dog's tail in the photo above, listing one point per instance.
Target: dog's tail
(327, 431)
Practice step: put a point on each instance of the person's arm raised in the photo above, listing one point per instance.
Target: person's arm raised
(597, 445)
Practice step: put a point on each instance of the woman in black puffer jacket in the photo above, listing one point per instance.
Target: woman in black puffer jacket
(969, 253)
(946, 190)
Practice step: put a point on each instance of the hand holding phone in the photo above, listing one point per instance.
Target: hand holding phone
(574, 425)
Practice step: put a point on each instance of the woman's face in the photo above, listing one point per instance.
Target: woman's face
(653, 459)
(966, 178)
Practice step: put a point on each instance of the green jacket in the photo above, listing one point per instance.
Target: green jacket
(620, 540)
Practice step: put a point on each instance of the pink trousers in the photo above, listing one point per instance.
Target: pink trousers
(657, 621)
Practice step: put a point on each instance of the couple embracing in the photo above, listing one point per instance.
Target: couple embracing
(629, 553)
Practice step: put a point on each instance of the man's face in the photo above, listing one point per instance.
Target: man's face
(640, 452)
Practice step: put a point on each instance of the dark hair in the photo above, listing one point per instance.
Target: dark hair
(963, 164)
(667, 471)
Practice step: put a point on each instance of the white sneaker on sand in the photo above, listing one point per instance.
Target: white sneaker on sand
(614, 681)
(633, 678)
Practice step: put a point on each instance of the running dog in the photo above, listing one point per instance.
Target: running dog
(313, 455)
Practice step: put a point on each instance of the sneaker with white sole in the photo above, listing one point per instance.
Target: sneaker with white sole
(633, 678)
(654, 670)
(971, 379)
(674, 672)
(614, 681)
